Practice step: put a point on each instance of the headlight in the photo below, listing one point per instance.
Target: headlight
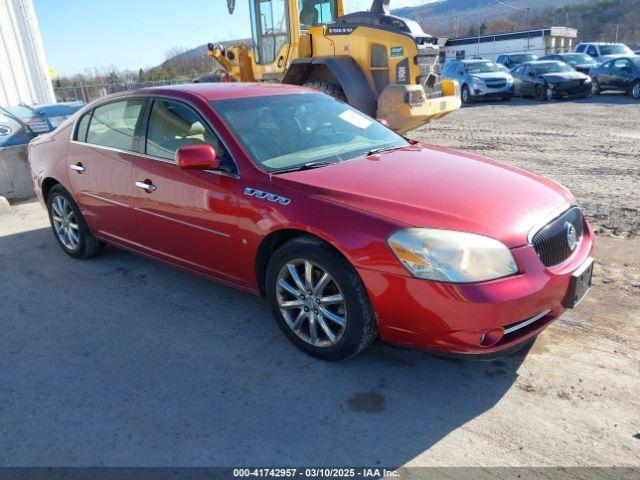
(449, 256)
(477, 81)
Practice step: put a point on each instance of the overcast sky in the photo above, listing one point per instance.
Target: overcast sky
(129, 34)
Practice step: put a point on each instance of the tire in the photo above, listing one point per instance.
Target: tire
(596, 89)
(507, 99)
(77, 242)
(635, 90)
(330, 89)
(359, 324)
(541, 93)
(466, 95)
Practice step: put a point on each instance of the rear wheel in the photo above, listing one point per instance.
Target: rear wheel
(330, 89)
(69, 227)
(635, 90)
(319, 301)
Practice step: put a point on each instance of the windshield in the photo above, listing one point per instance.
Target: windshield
(615, 50)
(578, 59)
(525, 57)
(481, 67)
(283, 132)
(552, 67)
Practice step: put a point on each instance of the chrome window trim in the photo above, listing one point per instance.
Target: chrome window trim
(151, 157)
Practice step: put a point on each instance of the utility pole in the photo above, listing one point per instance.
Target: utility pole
(617, 28)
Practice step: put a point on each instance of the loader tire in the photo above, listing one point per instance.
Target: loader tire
(330, 89)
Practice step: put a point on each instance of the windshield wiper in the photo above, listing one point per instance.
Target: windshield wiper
(375, 151)
(304, 166)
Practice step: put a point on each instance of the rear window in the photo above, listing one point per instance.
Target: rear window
(114, 124)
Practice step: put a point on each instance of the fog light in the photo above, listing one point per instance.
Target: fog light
(492, 337)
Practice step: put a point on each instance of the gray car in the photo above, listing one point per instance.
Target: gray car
(479, 79)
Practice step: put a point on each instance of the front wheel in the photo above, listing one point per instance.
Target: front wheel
(68, 225)
(466, 95)
(319, 301)
(543, 93)
(635, 90)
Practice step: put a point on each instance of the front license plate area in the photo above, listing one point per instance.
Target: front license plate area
(580, 284)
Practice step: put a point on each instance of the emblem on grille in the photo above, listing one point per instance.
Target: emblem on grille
(572, 236)
(252, 192)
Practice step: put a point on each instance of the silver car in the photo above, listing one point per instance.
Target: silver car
(479, 79)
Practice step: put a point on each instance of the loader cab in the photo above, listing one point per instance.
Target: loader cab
(278, 25)
(317, 12)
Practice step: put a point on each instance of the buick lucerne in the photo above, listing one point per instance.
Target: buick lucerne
(350, 231)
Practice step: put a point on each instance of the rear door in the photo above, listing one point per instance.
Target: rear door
(186, 216)
(100, 161)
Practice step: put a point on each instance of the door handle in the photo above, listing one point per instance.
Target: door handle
(146, 185)
(78, 167)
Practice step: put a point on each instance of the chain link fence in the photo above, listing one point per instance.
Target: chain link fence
(90, 92)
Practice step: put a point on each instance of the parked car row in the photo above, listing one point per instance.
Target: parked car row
(591, 69)
(19, 124)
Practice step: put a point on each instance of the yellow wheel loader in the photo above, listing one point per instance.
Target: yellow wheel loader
(383, 65)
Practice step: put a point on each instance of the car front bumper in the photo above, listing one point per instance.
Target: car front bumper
(486, 91)
(567, 91)
(475, 320)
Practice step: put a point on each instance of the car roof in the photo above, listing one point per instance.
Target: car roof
(476, 60)
(600, 43)
(218, 90)
(541, 62)
(227, 90)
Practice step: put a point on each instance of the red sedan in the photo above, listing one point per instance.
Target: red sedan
(350, 230)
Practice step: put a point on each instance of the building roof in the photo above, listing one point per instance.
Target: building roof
(499, 37)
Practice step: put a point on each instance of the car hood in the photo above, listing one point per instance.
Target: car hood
(563, 76)
(492, 75)
(431, 186)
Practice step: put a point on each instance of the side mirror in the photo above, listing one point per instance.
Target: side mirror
(197, 157)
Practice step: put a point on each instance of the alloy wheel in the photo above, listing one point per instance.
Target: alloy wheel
(311, 303)
(65, 222)
(635, 92)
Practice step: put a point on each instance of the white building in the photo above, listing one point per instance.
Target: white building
(24, 72)
(538, 42)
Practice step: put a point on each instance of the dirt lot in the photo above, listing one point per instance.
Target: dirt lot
(123, 361)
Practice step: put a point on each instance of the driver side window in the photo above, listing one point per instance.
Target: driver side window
(592, 51)
(173, 125)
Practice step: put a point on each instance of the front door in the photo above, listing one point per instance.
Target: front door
(100, 161)
(622, 74)
(186, 216)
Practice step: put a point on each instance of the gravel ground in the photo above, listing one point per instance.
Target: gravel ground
(121, 361)
(591, 146)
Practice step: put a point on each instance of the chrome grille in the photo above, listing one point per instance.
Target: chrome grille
(551, 243)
